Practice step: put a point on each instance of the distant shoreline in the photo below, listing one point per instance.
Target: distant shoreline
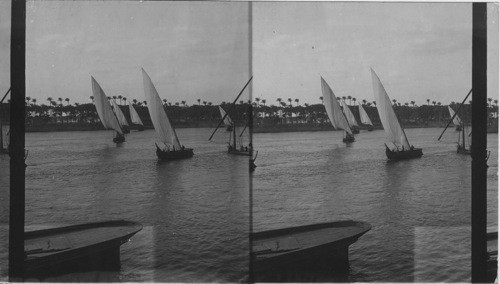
(257, 129)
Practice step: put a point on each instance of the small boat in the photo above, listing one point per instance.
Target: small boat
(393, 130)
(233, 148)
(92, 246)
(463, 141)
(134, 118)
(166, 133)
(335, 114)
(350, 118)
(106, 114)
(365, 119)
(121, 117)
(227, 120)
(456, 120)
(295, 247)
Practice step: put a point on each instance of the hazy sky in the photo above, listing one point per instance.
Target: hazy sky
(419, 50)
(190, 50)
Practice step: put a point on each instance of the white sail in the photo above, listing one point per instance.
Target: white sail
(103, 107)
(456, 120)
(333, 109)
(393, 130)
(119, 114)
(160, 120)
(349, 115)
(134, 116)
(365, 119)
(227, 120)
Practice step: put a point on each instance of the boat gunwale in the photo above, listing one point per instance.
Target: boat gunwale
(80, 227)
(336, 224)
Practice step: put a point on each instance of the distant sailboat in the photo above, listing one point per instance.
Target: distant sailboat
(456, 119)
(350, 118)
(393, 129)
(227, 120)
(106, 114)
(121, 117)
(463, 144)
(335, 114)
(365, 119)
(173, 149)
(134, 117)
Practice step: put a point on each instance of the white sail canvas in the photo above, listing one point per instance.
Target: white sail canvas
(103, 107)
(119, 114)
(349, 115)
(365, 119)
(333, 109)
(159, 117)
(393, 130)
(134, 116)
(227, 120)
(456, 120)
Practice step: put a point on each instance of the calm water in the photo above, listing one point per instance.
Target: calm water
(194, 211)
(419, 209)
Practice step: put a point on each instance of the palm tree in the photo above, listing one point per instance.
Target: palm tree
(290, 101)
(28, 99)
(321, 98)
(439, 103)
(412, 103)
(264, 102)
(60, 100)
(120, 98)
(124, 100)
(428, 101)
(343, 98)
(495, 102)
(241, 102)
(364, 102)
(177, 103)
(183, 103)
(209, 103)
(394, 101)
(374, 103)
(434, 103)
(134, 101)
(109, 98)
(145, 103)
(407, 104)
(92, 98)
(297, 101)
(67, 100)
(50, 100)
(350, 99)
(279, 100)
(198, 101)
(489, 102)
(354, 99)
(205, 103)
(164, 101)
(257, 100)
(33, 101)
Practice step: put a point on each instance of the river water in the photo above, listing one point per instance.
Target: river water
(195, 211)
(419, 209)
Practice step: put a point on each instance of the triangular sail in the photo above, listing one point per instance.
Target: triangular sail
(119, 114)
(456, 120)
(227, 120)
(349, 115)
(159, 117)
(134, 116)
(333, 109)
(365, 119)
(103, 107)
(388, 117)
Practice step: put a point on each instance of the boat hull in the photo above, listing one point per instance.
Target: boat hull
(462, 150)
(403, 155)
(92, 246)
(297, 249)
(174, 155)
(119, 139)
(237, 152)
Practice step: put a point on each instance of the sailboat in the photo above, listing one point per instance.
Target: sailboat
(121, 117)
(173, 149)
(392, 127)
(106, 114)
(335, 114)
(456, 119)
(134, 117)
(463, 144)
(227, 120)
(350, 118)
(232, 148)
(365, 119)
